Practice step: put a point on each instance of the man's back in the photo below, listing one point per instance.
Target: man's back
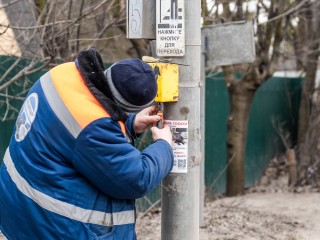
(69, 171)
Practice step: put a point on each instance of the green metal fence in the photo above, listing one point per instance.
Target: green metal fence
(275, 106)
(11, 99)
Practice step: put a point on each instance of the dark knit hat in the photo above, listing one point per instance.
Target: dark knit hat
(132, 83)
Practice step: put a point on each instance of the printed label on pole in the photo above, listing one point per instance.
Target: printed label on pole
(170, 33)
(179, 130)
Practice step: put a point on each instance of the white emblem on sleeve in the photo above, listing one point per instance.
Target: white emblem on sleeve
(26, 117)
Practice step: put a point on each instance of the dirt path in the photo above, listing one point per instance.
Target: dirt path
(265, 216)
(302, 209)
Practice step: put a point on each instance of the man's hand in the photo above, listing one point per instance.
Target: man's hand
(164, 133)
(146, 118)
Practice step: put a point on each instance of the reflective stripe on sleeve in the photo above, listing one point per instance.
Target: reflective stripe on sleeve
(66, 209)
(58, 106)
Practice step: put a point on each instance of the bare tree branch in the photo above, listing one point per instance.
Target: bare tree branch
(7, 108)
(288, 12)
(10, 69)
(9, 4)
(25, 72)
(37, 26)
(86, 12)
(4, 31)
(95, 39)
(79, 26)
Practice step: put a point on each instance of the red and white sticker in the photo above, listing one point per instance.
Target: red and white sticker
(179, 131)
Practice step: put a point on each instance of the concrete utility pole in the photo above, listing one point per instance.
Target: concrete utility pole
(180, 191)
(178, 37)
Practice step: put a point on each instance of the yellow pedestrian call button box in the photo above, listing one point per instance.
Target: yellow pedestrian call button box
(168, 81)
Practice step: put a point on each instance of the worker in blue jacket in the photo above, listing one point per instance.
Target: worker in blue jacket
(71, 170)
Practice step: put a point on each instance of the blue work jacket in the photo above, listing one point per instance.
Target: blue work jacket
(69, 171)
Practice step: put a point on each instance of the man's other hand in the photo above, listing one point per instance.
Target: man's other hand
(164, 133)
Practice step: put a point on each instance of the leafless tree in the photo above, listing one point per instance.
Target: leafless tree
(308, 42)
(274, 21)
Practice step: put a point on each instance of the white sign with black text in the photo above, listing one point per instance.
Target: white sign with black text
(170, 31)
(180, 145)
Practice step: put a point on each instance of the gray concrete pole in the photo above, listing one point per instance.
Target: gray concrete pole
(180, 191)
(202, 127)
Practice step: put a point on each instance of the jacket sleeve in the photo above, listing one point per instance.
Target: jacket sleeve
(114, 166)
(129, 126)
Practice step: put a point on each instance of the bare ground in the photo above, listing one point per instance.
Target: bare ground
(267, 211)
(281, 216)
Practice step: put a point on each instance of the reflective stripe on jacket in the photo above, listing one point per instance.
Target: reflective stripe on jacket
(69, 171)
